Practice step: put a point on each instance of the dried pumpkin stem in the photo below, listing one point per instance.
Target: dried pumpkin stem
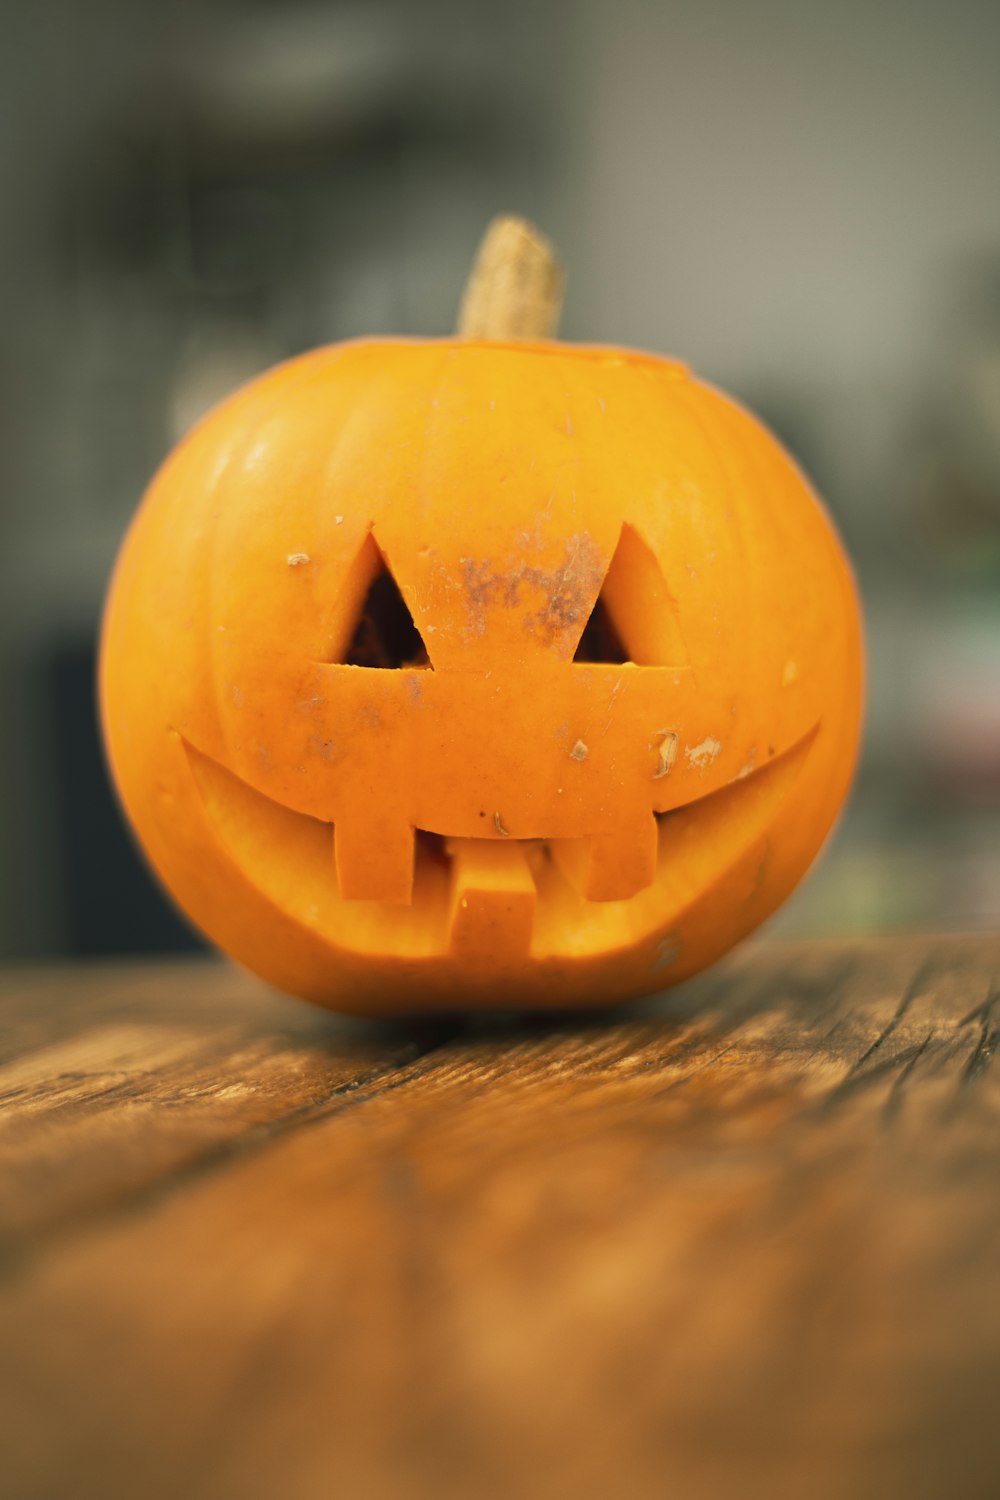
(515, 290)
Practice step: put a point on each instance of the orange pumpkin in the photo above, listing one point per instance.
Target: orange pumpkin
(473, 672)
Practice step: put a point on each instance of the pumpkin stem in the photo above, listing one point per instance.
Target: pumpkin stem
(515, 289)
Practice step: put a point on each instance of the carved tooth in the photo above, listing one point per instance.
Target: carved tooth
(623, 863)
(492, 899)
(374, 859)
(611, 866)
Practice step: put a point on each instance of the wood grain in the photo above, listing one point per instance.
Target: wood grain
(742, 1240)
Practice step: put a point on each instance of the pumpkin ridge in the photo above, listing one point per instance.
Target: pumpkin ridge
(249, 439)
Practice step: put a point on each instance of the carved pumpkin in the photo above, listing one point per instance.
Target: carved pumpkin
(480, 671)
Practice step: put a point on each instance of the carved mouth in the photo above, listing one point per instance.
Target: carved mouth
(489, 896)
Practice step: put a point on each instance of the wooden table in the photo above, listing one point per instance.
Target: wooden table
(740, 1241)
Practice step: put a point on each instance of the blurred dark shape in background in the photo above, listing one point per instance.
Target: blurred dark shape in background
(800, 200)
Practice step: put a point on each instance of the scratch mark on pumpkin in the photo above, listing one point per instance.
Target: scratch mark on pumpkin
(498, 824)
(746, 769)
(484, 586)
(763, 868)
(704, 754)
(325, 749)
(579, 752)
(612, 699)
(668, 950)
(666, 752)
(310, 705)
(297, 559)
(567, 590)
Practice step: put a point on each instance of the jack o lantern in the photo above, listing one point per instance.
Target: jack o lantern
(480, 671)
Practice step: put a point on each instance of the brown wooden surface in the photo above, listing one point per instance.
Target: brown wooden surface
(742, 1241)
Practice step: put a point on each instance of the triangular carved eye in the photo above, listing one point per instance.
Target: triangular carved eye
(600, 640)
(635, 618)
(385, 635)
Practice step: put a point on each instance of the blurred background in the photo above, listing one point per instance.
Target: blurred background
(802, 200)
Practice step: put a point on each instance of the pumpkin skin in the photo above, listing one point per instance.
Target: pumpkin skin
(606, 828)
